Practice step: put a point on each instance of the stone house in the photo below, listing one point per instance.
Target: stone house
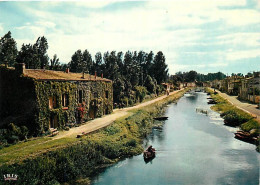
(41, 99)
(243, 89)
(233, 84)
(254, 88)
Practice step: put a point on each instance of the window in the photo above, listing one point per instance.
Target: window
(106, 94)
(52, 102)
(65, 100)
(80, 96)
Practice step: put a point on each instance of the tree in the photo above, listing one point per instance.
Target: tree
(160, 68)
(190, 76)
(111, 69)
(8, 50)
(87, 63)
(40, 52)
(54, 63)
(76, 62)
(97, 64)
(26, 55)
(150, 84)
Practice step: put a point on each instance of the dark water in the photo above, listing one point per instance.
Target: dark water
(192, 148)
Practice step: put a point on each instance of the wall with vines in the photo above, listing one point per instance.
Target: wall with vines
(93, 97)
(24, 101)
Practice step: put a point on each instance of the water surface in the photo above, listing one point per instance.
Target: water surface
(192, 148)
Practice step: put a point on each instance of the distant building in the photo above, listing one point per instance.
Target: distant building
(168, 87)
(42, 99)
(254, 88)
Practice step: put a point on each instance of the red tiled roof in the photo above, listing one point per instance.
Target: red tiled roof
(42, 74)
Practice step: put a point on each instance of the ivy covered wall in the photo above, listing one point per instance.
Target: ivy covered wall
(94, 100)
(26, 101)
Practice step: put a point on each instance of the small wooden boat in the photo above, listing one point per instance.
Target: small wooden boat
(149, 153)
(212, 102)
(245, 136)
(161, 118)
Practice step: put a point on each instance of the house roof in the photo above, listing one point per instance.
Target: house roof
(43, 75)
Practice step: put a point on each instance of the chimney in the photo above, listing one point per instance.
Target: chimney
(67, 70)
(19, 68)
(95, 74)
(102, 75)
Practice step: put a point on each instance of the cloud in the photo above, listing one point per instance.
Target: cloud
(240, 17)
(197, 34)
(239, 55)
(245, 39)
(1, 28)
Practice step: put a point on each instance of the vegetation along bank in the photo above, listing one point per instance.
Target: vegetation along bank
(83, 157)
(236, 117)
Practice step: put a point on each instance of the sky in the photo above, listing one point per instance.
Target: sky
(201, 35)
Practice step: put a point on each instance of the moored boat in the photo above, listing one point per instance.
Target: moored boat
(246, 136)
(161, 118)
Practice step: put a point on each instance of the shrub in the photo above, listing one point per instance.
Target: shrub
(234, 119)
(131, 143)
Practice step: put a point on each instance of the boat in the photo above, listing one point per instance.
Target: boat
(149, 153)
(161, 118)
(212, 101)
(245, 136)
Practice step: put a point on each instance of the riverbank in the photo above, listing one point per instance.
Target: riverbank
(80, 159)
(236, 117)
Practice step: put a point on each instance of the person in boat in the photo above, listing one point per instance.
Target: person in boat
(150, 149)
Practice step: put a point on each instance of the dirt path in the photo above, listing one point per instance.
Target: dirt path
(247, 107)
(104, 121)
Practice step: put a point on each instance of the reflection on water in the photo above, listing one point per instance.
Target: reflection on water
(192, 148)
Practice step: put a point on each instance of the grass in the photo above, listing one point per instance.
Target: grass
(234, 116)
(31, 149)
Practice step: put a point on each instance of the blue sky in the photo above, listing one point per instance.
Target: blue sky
(202, 35)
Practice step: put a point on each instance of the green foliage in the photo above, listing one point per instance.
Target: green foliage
(13, 133)
(54, 63)
(250, 125)
(131, 143)
(140, 92)
(8, 50)
(233, 118)
(81, 62)
(112, 129)
(34, 56)
(160, 68)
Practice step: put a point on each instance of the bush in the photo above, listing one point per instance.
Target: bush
(140, 92)
(131, 143)
(234, 119)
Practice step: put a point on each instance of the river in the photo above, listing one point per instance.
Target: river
(192, 148)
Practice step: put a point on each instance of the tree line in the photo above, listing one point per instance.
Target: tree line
(135, 74)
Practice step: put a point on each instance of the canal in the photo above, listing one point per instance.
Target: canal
(192, 148)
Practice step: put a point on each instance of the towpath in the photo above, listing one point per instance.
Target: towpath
(106, 120)
(247, 107)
